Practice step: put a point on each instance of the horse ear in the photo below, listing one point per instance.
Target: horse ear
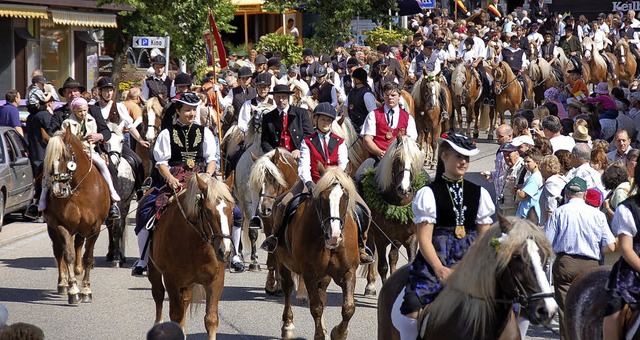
(276, 155)
(321, 169)
(229, 181)
(505, 224)
(341, 120)
(253, 157)
(398, 139)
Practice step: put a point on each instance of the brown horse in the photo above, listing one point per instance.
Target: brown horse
(467, 93)
(626, 66)
(150, 127)
(509, 93)
(503, 266)
(597, 63)
(391, 187)
(70, 220)
(320, 244)
(542, 77)
(191, 245)
(566, 65)
(407, 103)
(429, 122)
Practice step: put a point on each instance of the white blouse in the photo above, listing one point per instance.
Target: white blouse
(623, 222)
(162, 148)
(424, 207)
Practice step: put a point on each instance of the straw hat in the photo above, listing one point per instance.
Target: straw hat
(581, 134)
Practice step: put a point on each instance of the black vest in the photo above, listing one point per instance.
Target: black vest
(547, 51)
(322, 93)
(347, 83)
(180, 153)
(240, 97)
(420, 59)
(357, 108)
(514, 59)
(446, 217)
(157, 87)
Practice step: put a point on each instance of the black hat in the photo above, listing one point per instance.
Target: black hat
(209, 76)
(182, 79)
(159, 59)
(324, 59)
(418, 36)
(104, 82)
(40, 79)
(549, 33)
(339, 43)
(260, 59)
(469, 41)
(460, 143)
(70, 83)
(360, 74)
(263, 79)
(321, 71)
(568, 28)
(244, 71)
(351, 62)
(429, 44)
(472, 30)
(570, 18)
(307, 52)
(383, 48)
(440, 40)
(187, 98)
(574, 70)
(281, 88)
(294, 69)
(325, 109)
(384, 62)
(274, 62)
(534, 25)
(602, 16)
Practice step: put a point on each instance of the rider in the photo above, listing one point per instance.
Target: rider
(572, 48)
(385, 76)
(323, 91)
(262, 84)
(624, 279)
(449, 214)
(360, 100)
(183, 149)
(601, 43)
(239, 95)
(472, 52)
(517, 61)
(329, 149)
(83, 125)
(159, 84)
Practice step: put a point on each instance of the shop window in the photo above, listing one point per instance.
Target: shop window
(55, 44)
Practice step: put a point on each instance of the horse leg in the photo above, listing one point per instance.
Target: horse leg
(476, 117)
(347, 283)
(253, 237)
(58, 251)
(287, 314)
(88, 262)
(272, 286)
(117, 232)
(211, 319)
(393, 256)
(317, 301)
(110, 248)
(68, 253)
(302, 296)
(157, 289)
(383, 265)
(176, 302)
(370, 288)
(78, 243)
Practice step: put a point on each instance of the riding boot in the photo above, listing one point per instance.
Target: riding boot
(236, 263)
(444, 116)
(140, 267)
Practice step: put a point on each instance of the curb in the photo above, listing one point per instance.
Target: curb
(23, 236)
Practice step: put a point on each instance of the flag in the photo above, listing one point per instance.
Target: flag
(461, 5)
(222, 54)
(493, 9)
(208, 46)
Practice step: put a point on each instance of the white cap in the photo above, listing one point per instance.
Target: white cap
(522, 139)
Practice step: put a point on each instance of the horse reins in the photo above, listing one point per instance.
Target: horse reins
(200, 232)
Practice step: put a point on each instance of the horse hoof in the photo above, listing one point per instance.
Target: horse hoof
(63, 290)
(109, 257)
(277, 292)
(254, 267)
(87, 298)
(336, 336)
(287, 331)
(370, 292)
(74, 299)
(490, 137)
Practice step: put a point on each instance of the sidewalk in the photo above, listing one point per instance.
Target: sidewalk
(17, 229)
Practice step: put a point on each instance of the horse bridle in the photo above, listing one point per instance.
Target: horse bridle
(499, 89)
(66, 177)
(205, 222)
(262, 195)
(323, 221)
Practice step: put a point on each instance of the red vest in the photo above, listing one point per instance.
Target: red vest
(285, 137)
(314, 143)
(384, 134)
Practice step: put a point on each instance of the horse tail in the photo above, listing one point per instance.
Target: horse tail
(198, 297)
(54, 151)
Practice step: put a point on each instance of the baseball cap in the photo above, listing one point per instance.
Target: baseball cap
(576, 185)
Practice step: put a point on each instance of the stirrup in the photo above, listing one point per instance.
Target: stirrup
(269, 244)
(444, 116)
(255, 223)
(146, 184)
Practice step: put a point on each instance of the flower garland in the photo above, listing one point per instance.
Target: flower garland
(373, 197)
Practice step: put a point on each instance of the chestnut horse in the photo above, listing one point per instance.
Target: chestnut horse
(467, 93)
(502, 267)
(542, 77)
(74, 181)
(320, 244)
(509, 93)
(566, 65)
(352, 139)
(626, 66)
(149, 129)
(597, 63)
(393, 180)
(191, 246)
(429, 122)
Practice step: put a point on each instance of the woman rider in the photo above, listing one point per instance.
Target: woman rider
(445, 230)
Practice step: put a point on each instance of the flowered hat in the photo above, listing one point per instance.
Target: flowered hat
(602, 88)
(551, 94)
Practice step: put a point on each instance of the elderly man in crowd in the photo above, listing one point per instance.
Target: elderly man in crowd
(580, 157)
(623, 145)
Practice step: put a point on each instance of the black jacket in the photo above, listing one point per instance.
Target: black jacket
(64, 112)
(300, 127)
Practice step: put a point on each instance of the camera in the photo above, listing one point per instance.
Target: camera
(532, 131)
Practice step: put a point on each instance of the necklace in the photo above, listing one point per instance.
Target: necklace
(456, 194)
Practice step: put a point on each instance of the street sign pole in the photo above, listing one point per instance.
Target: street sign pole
(166, 51)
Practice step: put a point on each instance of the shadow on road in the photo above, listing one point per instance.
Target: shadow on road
(225, 336)
(31, 263)
(35, 296)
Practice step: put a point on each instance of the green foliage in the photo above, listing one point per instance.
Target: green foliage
(382, 35)
(373, 197)
(285, 43)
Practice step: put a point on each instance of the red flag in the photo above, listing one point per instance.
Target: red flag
(222, 54)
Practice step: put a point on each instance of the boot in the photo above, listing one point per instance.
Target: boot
(270, 244)
(139, 269)
(114, 212)
(236, 264)
(366, 255)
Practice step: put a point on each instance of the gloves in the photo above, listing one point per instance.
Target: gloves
(310, 186)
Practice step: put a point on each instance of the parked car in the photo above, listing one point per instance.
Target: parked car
(16, 175)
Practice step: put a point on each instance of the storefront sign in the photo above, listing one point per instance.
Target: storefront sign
(625, 6)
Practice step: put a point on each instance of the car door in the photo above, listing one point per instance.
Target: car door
(21, 173)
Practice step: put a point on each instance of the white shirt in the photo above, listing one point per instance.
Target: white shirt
(304, 163)
(562, 143)
(623, 222)
(162, 147)
(424, 207)
(246, 111)
(369, 127)
(125, 119)
(599, 38)
(590, 175)
(537, 37)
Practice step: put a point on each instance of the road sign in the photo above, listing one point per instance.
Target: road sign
(427, 3)
(148, 42)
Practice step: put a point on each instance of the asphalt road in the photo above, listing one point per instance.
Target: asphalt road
(123, 307)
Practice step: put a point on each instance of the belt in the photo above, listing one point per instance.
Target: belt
(577, 257)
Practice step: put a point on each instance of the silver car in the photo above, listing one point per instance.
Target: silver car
(16, 175)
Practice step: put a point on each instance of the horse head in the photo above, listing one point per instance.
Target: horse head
(333, 199)
(115, 144)
(64, 156)
(430, 89)
(152, 113)
(271, 175)
(523, 278)
(208, 208)
(533, 50)
(401, 163)
(499, 77)
(621, 50)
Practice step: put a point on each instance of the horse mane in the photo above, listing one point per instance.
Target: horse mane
(336, 174)
(415, 92)
(153, 104)
(55, 150)
(407, 151)
(597, 57)
(458, 78)
(535, 70)
(622, 42)
(265, 166)
(216, 190)
(506, 69)
(470, 290)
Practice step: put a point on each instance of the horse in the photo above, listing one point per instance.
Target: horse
(597, 63)
(272, 174)
(509, 93)
(125, 185)
(77, 204)
(627, 65)
(542, 77)
(429, 122)
(191, 246)
(388, 191)
(300, 98)
(320, 244)
(566, 65)
(407, 103)
(504, 266)
(467, 92)
(149, 129)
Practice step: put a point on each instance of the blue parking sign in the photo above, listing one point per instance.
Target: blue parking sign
(427, 3)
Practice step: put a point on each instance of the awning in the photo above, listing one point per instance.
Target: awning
(23, 11)
(84, 19)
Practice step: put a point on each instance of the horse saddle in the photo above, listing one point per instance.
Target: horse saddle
(290, 210)
(630, 319)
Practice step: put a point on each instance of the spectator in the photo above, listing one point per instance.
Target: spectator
(593, 197)
(579, 236)
(622, 143)
(523, 143)
(543, 146)
(529, 194)
(552, 96)
(9, 113)
(580, 132)
(602, 145)
(615, 179)
(581, 156)
(632, 163)
(554, 182)
(551, 128)
(512, 177)
(165, 331)
(564, 157)
(599, 160)
(21, 331)
(520, 126)
(610, 111)
(36, 96)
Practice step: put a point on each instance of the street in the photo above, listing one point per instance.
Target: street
(123, 307)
